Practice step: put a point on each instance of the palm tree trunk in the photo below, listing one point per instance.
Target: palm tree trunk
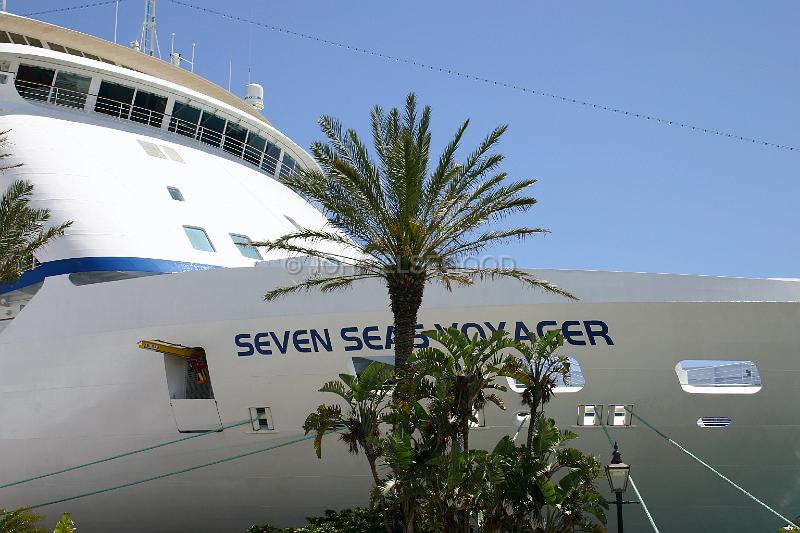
(405, 295)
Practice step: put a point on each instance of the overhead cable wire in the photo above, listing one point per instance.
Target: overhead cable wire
(719, 474)
(635, 489)
(71, 8)
(173, 473)
(126, 454)
(492, 82)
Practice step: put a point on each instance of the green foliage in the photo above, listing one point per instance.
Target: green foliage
(344, 521)
(65, 524)
(404, 216)
(23, 230)
(365, 399)
(429, 474)
(20, 521)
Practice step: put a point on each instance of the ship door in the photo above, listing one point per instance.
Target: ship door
(191, 394)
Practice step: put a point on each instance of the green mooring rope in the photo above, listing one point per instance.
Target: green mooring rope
(126, 454)
(173, 473)
(635, 489)
(719, 474)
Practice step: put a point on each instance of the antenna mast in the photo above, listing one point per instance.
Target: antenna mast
(148, 37)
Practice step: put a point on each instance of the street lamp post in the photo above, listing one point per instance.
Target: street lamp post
(618, 474)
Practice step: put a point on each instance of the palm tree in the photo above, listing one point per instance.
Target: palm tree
(20, 521)
(400, 219)
(23, 230)
(538, 368)
(365, 396)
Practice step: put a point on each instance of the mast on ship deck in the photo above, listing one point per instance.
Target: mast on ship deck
(148, 37)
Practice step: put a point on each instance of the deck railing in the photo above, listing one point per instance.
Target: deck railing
(127, 111)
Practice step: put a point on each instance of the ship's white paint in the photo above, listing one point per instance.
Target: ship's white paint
(74, 387)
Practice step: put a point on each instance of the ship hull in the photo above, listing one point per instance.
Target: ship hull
(75, 387)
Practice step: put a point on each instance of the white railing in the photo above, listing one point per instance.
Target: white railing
(127, 111)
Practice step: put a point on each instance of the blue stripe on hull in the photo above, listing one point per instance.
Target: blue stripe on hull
(99, 264)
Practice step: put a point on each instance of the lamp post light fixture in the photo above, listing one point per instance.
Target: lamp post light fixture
(618, 474)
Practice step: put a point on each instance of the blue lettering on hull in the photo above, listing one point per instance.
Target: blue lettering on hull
(377, 338)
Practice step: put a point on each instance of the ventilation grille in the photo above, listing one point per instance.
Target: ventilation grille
(714, 421)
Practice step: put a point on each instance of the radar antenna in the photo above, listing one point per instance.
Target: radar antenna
(148, 36)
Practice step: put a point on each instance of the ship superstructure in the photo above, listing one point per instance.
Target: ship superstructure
(167, 178)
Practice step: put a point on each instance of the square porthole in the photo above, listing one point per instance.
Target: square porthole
(199, 239)
(261, 419)
(175, 193)
(619, 415)
(590, 415)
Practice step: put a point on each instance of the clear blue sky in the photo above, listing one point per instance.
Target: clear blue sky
(617, 193)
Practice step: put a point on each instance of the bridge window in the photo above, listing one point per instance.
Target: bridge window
(254, 149)
(148, 108)
(70, 89)
(184, 119)
(114, 99)
(211, 128)
(242, 242)
(199, 239)
(271, 156)
(235, 136)
(707, 376)
(33, 82)
(287, 165)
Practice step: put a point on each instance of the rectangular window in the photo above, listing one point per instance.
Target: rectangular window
(175, 193)
(16, 38)
(35, 42)
(70, 89)
(211, 128)
(254, 148)
(184, 119)
(199, 239)
(242, 243)
(114, 99)
(57, 47)
(86, 54)
(4, 37)
(271, 156)
(235, 136)
(148, 108)
(74, 52)
(33, 82)
(287, 165)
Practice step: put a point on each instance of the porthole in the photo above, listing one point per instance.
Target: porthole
(242, 242)
(199, 239)
(573, 382)
(176, 194)
(712, 376)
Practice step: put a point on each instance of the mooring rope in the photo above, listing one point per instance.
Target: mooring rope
(719, 474)
(173, 473)
(126, 454)
(635, 489)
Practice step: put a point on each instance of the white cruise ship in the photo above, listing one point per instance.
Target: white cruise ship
(166, 175)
